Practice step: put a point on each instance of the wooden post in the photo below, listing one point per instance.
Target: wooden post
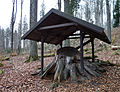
(81, 51)
(93, 56)
(61, 44)
(42, 56)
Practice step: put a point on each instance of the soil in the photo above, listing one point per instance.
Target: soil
(17, 77)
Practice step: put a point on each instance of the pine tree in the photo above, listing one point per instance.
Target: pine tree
(116, 14)
(42, 11)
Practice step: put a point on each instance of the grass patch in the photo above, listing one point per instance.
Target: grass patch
(116, 52)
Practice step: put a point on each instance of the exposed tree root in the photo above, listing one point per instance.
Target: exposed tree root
(67, 64)
(32, 58)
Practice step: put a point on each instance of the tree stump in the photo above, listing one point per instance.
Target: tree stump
(67, 64)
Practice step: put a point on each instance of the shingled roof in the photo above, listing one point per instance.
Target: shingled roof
(57, 26)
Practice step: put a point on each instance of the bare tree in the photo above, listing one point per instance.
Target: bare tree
(33, 20)
(108, 19)
(13, 18)
(20, 30)
(59, 5)
(15, 36)
(87, 13)
(66, 10)
(2, 41)
(101, 13)
(97, 13)
(7, 37)
(25, 29)
(70, 6)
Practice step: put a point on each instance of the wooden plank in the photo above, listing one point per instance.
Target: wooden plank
(61, 44)
(73, 37)
(49, 67)
(77, 37)
(57, 26)
(78, 34)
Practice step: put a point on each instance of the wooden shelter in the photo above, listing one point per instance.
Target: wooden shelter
(57, 26)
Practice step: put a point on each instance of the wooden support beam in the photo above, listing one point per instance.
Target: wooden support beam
(42, 56)
(86, 36)
(84, 43)
(57, 26)
(75, 34)
(92, 43)
(73, 37)
(81, 51)
(61, 44)
(77, 37)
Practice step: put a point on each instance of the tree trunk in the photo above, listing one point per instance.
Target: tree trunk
(13, 18)
(20, 29)
(68, 64)
(59, 5)
(33, 20)
(108, 19)
(87, 13)
(101, 13)
(66, 10)
(25, 29)
(97, 11)
(7, 39)
(15, 40)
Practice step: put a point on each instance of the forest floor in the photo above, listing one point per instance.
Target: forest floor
(16, 76)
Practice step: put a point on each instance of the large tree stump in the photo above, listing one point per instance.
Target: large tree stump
(68, 64)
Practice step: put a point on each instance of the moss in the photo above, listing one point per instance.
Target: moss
(54, 85)
(87, 52)
(113, 39)
(1, 72)
(1, 64)
(86, 49)
(3, 58)
(97, 50)
(116, 52)
(32, 58)
(90, 57)
(104, 47)
(49, 55)
(13, 54)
